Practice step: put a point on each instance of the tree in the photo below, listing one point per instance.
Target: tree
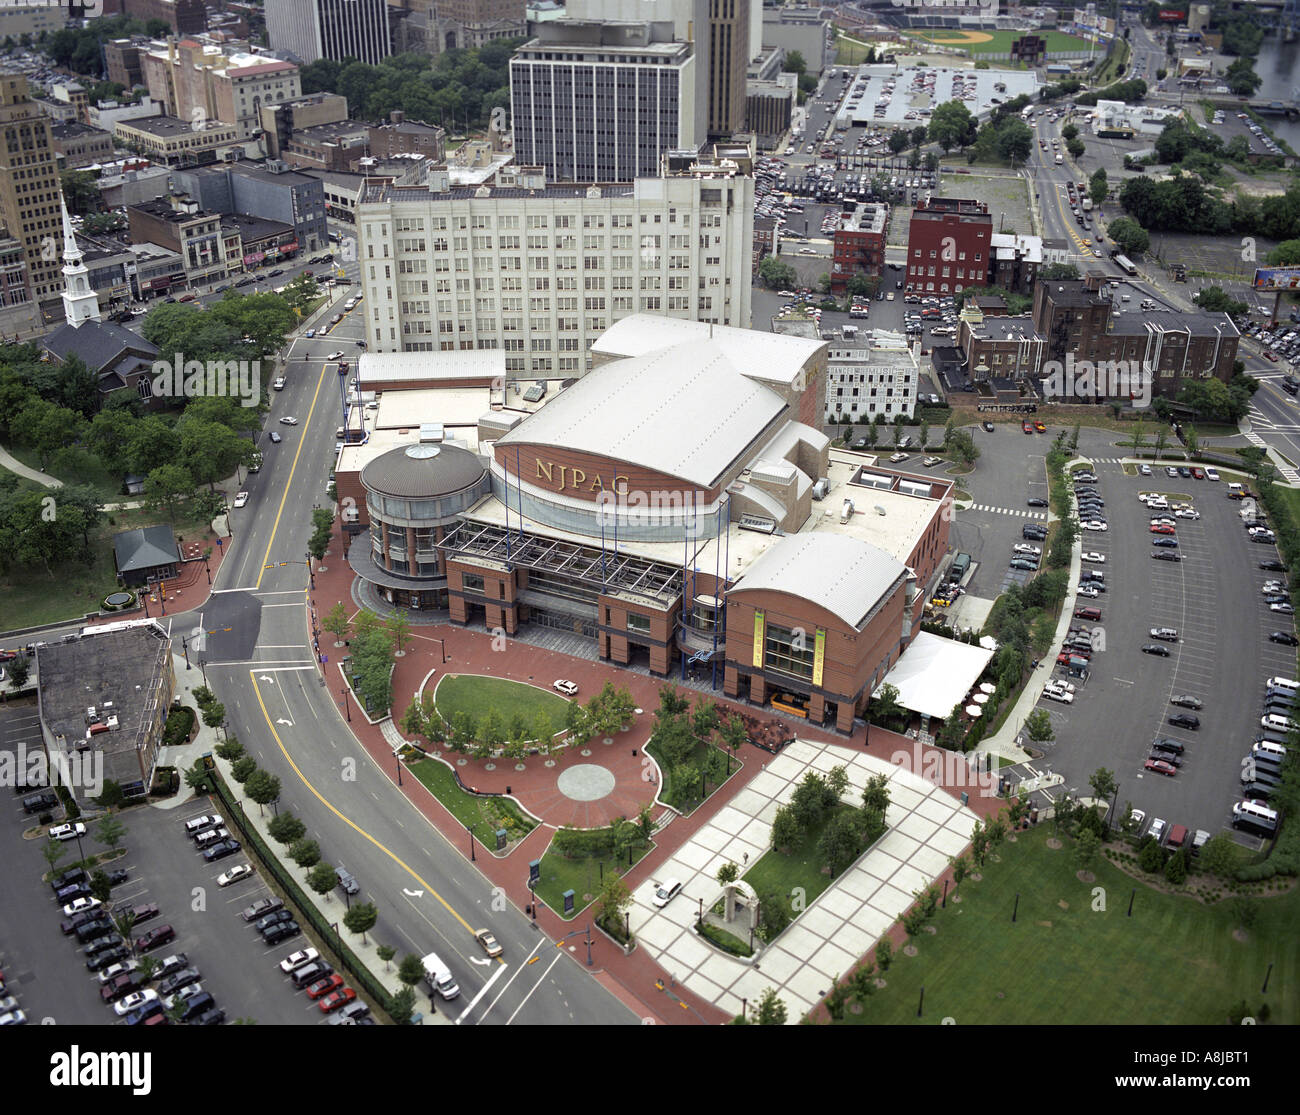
(614, 898)
(1069, 131)
(884, 703)
(1076, 148)
(794, 63)
(230, 749)
(166, 488)
(963, 447)
(770, 1010)
(1129, 236)
(776, 274)
(305, 853)
(214, 715)
(322, 879)
(109, 832)
(336, 623)
(1098, 186)
(960, 869)
(410, 971)
(80, 192)
(196, 776)
(1241, 78)
(1014, 140)
(385, 953)
(1213, 299)
(53, 851)
(263, 788)
(1162, 440)
(1151, 857)
(286, 828)
(728, 873)
(1058, 271)
(884, 954)
(1286, 254)
(111, 795)
(1176, 868)
(242, 769)
(401, 1007)
(1218, 856)
(786, 829)
(1039, 726)
(840, 843)
(1103, 784)
(19, 671)
(950, 124)
(100, 887)
(899, 141)
(1086, 847)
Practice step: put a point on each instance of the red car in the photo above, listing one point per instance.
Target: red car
(1162, 528)
(324, 986)
(1270, 356)
(336, 999)
(1028, 427)
(1159, 766)
(1198, 474)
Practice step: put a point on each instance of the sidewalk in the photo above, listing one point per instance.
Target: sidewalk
(14, 465)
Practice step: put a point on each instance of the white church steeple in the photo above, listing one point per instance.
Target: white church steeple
(80, 302)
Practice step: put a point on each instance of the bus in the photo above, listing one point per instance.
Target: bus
(1115, 133)
(1125, 264)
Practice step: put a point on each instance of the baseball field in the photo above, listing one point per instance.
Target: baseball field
(996, 42)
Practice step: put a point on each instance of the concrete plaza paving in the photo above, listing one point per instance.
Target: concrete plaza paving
(927, 826)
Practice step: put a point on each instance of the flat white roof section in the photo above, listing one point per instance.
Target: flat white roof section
(935, 673)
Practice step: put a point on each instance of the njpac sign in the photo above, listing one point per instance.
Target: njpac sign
(1171, 15)
(1269, 279)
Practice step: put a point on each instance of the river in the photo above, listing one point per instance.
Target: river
(1279, 65)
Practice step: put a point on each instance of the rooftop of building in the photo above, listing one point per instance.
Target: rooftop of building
(387, 192)
(1072, 292)
(246, 169)
(866, 217)
(75, 129)
(335, 132)
(254, 228)
(161, 208)
(483, 365)
(118, 673)
(762, 356)
(687, 411)
(1019, 328)
(1015, 245)
(423, 471)
(410, 127)
(1198, 324)
(170, 127)
(844, 575)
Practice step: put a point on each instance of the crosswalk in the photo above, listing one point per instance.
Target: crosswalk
(1007, 511)
(1290, 475)
(1106, 460)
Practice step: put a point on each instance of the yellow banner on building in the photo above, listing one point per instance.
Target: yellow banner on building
(819, 656)
(758, 640)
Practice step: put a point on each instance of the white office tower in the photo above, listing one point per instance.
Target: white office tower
(335, 29)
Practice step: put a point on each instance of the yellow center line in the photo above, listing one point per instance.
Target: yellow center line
(279, 511)
(346, 820)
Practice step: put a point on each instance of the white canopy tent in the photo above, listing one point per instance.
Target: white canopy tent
(935, 674)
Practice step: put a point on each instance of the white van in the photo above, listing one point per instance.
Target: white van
(1277, 723)
(1265, 751)
(1254, 817)
(1158, 503)
(1284, 683)
(439, 977)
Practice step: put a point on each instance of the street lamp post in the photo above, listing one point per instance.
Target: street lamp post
(347, 707)
(203, 665)
(186, 648)
(470, 833)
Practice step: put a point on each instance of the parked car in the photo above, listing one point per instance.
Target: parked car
(67, 832)
(1283, 637)
(1038, 502)
(1156, 649)
(324, 986)
(562, 685)
(667, 891)
(261, 908)
(295, 959)
(1167, 744)
(1185, 720)
(239, 871)
(1160, 766)
(220, 850)
(156, 937)
(336, 999)
(1186, 700)
(281, 932)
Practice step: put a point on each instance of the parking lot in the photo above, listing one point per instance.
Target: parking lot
(1221, 655)
(46, 971)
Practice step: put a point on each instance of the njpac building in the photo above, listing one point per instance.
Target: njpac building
(677, 503)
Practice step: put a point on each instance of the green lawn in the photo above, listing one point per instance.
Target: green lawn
(29, 596)
(484, 815)
(781, 873)
(582, 876)
(686, 799)
(1175, 961)
(476, 694)
(847, 52)
(82, 468)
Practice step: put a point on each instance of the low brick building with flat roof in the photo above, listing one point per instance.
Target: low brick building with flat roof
(102, 699)
(859, 245)
(79, 145)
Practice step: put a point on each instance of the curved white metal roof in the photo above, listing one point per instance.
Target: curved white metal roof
(686, 411)
(845, 576)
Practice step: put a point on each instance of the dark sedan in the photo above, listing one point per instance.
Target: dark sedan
(1038, 503)
(1155, 648)
(1185, 720)
(220, 850)
(1166, 555)
(1283, 637)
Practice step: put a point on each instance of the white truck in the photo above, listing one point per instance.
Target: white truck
(439, 977)
(1087, 205)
